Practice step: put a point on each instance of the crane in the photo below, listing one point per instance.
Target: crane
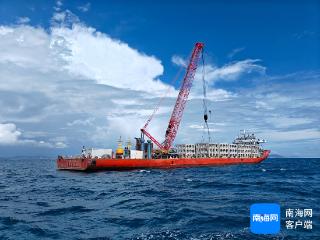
(180, 104)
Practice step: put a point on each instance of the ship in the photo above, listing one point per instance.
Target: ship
(150, 153)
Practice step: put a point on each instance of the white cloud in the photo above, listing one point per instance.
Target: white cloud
(210, 76)
(219, 95)
(125, 102)
(81, 122)
(232, 71)
(294, 135)
(34, 134)
(73, 85)
(229, 72)
(263, 105)
(212, 94)
(85, 7)
(5, 30)
(235, 51)
(60, 145)
(9, 133)
(58, 5)
(202, 128)
(18, 46)
(93, 54)
(84, 53)
(179, 61)
(44, 144)
(284, 121)
(64, 19)
(23, 20)
(59, 16)
(69, 71)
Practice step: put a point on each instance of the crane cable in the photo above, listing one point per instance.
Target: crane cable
(205, 109)
(162, 98)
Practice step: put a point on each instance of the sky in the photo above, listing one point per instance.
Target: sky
(76, 73)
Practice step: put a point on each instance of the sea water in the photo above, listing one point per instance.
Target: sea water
(39, 202)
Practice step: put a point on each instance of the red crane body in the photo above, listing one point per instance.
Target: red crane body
(180, 104)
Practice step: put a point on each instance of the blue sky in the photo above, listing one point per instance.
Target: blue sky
(262, 64)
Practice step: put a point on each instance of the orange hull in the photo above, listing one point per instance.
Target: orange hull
(90, 164)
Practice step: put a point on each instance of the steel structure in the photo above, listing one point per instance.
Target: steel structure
(180, 104)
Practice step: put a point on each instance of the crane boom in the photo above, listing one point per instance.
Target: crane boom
(177, 112)
(181, 101)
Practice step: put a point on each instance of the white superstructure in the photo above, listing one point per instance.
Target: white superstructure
(244, 146)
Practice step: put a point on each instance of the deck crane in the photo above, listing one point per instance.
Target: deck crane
(180, 104)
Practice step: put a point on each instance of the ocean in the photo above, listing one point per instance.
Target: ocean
(39, 202)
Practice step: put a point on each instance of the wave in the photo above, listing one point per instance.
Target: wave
(65, 210)
(43, 232)
(192, 203)
(8, 221)
(228, 235)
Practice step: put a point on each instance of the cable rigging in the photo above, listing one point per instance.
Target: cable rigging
(204, 100)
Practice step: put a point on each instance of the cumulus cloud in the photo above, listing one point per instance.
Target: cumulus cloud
(73, 85)
(25, 52)
(9, 133)
(92, 55)
(82, 51)
(68, 75)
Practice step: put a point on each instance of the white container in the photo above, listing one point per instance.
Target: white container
(99, 152)
(136, 154)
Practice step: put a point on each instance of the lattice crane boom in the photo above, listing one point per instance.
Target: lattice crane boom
(177, 112)
(181, 101)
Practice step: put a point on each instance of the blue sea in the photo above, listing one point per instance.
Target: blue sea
(39, 202)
